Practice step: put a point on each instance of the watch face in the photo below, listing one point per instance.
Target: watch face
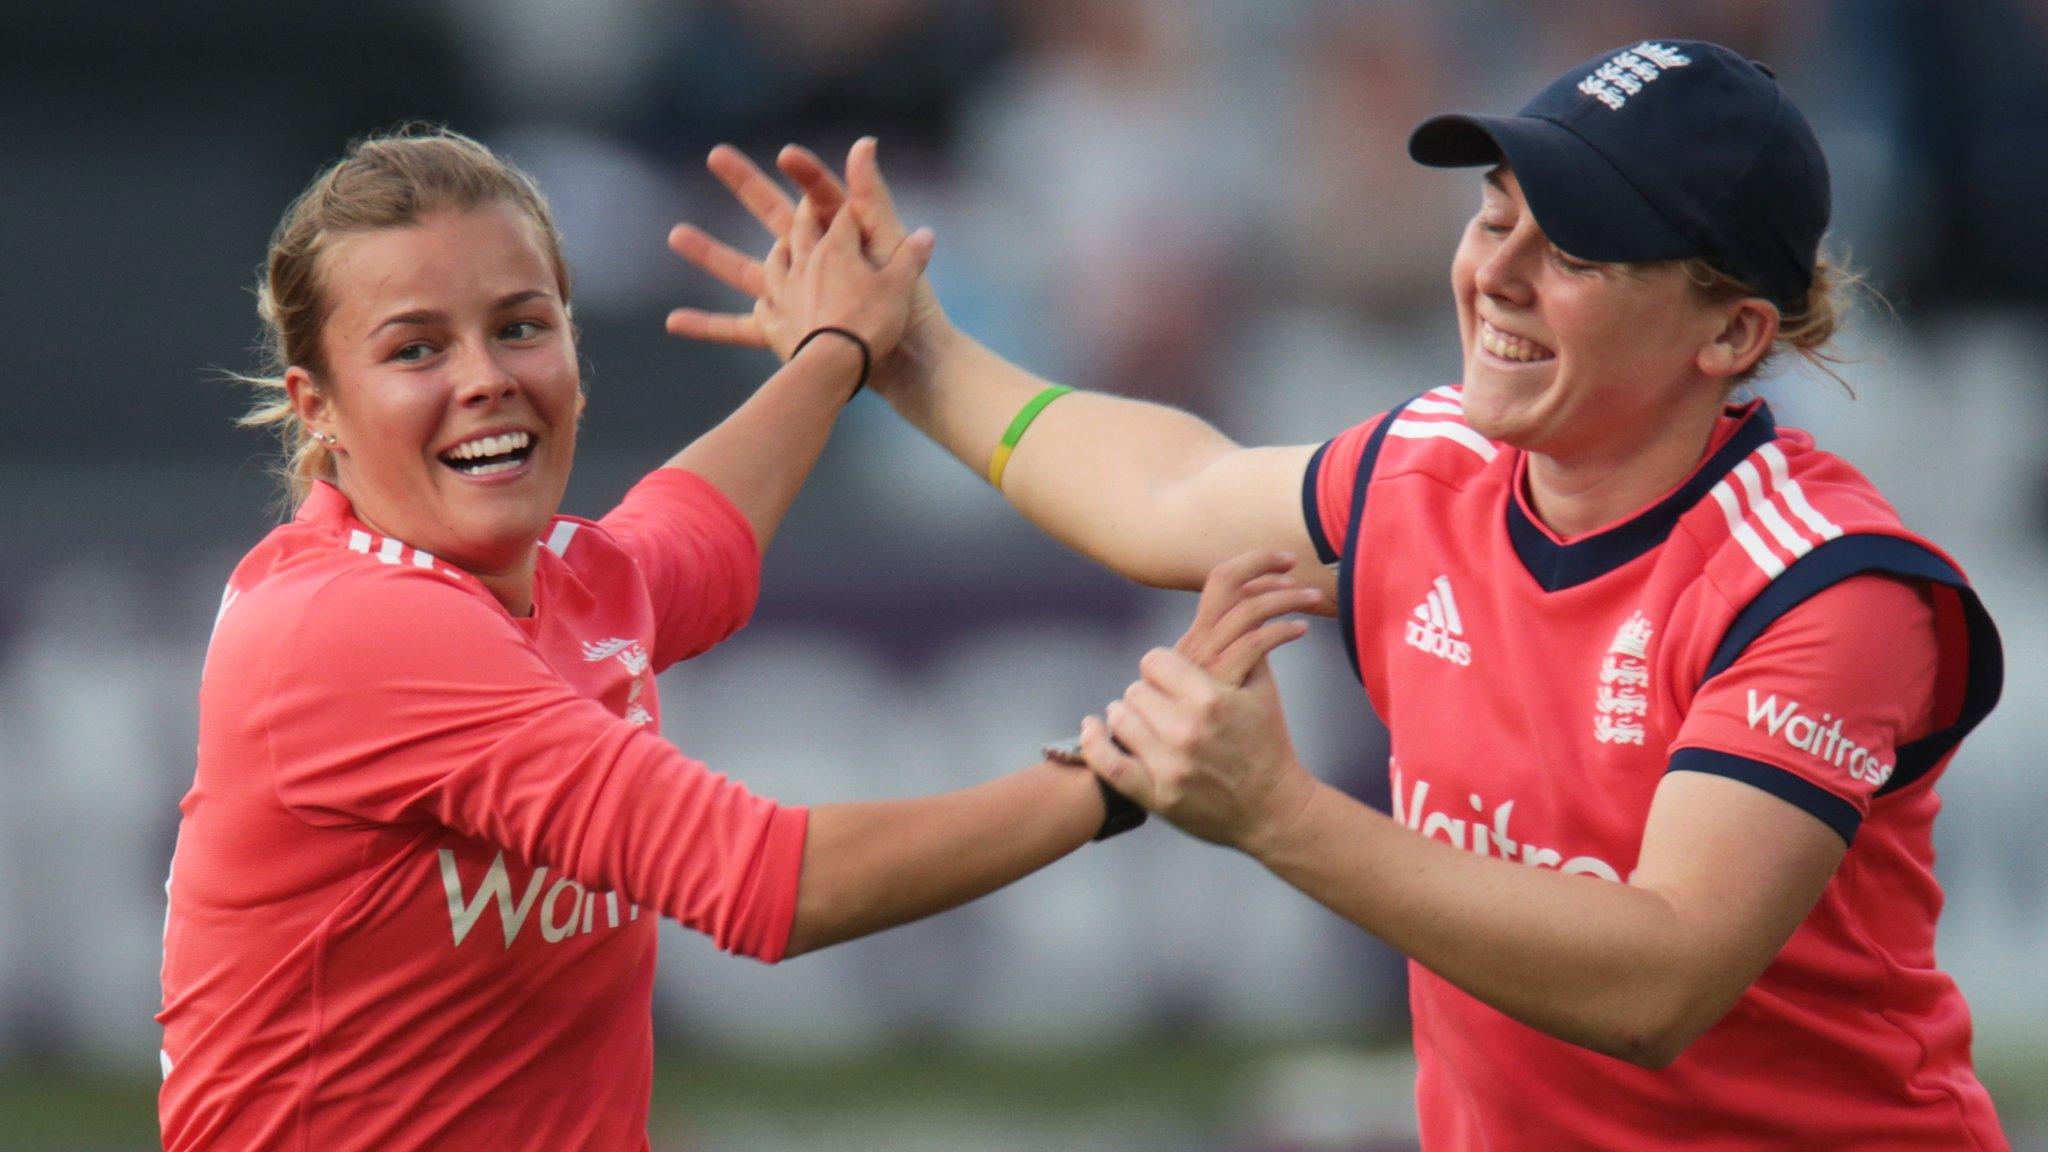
(1064, 752)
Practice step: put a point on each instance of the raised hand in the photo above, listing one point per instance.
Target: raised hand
(873, 210)
(1207, 752)
(823, 277)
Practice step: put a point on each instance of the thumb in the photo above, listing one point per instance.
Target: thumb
(912, 256)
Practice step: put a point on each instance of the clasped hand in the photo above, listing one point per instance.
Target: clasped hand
(1204, 741)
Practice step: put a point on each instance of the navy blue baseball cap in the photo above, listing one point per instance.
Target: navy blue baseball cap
(1661, 151)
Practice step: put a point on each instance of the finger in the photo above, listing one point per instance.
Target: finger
(843, 237)
(1134, 732)
(1179, 679)
(1247, 615)
(813, 179)
(756, 191)
(728, 265)
(870, 193)
(1123, 771)
(1227, 580)
(1237, 663)
(1201, 641)
(804, 233)
(717, 327)
(911, 257)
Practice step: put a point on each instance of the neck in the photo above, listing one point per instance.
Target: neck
(512, 586)
(514, 589)
(1577, 493)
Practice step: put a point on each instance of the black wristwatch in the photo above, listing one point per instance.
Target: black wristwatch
(1120, 813)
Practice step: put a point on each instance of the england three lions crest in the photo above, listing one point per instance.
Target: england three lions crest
(1622, 700)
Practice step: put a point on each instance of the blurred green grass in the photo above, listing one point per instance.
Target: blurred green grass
(701, 1100)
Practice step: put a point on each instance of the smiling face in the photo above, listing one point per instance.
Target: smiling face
(1571, 359)
(450, 382)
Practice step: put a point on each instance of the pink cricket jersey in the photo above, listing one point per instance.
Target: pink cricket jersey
(1768, 620)
(414, 898)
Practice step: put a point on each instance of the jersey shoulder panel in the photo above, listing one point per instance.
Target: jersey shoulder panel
(1776, 505)
(1429, 435)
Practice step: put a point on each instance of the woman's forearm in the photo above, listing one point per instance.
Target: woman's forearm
(1097, 472)
(876, 864)
(1600, 964)
(760, 455)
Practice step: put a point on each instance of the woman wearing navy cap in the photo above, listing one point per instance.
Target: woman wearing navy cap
(1669, 688)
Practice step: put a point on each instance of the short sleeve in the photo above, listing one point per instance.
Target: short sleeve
(1327, 487)
(1816, 708)
(697, 554)
(398, 697)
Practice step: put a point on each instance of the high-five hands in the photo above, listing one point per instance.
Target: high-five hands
(1207, 743)
(873, 216)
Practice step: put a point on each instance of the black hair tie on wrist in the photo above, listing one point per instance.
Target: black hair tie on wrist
(867, 355)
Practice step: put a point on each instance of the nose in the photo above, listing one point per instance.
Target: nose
(485, 381)
(1505, 273)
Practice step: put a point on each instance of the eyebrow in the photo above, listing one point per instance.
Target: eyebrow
(1493, 177)
(432, 316)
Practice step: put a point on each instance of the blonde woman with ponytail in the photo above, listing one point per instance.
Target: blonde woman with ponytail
(433, 824)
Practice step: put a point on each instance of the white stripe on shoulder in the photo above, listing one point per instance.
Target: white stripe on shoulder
(421, 559)
(1724, 495)
(1435, 407)
(1447, 391)
(558, 539)
(1766, 511)
(359, 541)
(1795, 497)
(390, 551)
(1444, 430)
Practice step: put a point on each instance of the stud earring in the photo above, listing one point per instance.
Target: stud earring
(328, 439)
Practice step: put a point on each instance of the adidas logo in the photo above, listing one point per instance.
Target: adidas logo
(1437, 627)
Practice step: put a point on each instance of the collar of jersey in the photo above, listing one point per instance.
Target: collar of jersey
(1556, 566)
(328, 505)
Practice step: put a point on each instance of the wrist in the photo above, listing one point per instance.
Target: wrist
(855, 350)
(927, 347)
(1282, 820)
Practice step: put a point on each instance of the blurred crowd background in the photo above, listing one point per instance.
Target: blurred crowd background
(1206, 202)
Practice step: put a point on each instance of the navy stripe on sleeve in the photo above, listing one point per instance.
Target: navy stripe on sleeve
(1347, 619)
(1796, 790)
(1846, 556)
(1311, 513)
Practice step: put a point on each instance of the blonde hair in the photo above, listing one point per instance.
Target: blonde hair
(1808, 331)
(390, 180)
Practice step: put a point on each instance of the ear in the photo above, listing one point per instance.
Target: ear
(309, 401)
(1749, 326)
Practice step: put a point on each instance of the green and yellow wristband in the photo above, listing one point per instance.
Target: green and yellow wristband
(1015, 432)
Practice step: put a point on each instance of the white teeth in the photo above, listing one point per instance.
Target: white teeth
(489, 446)
(492, 469)
(1510, 347)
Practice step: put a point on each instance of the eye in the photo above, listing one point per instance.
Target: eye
(1569, 262)
(1492, 227)
(413, 353)
(521, 330)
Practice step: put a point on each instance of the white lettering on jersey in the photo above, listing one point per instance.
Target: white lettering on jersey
(1484, 833)
(555, 925)
(1622, 699)
(1437, 627)
(1816, 738)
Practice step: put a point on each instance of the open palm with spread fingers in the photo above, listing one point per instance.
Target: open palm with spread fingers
(785, 218)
